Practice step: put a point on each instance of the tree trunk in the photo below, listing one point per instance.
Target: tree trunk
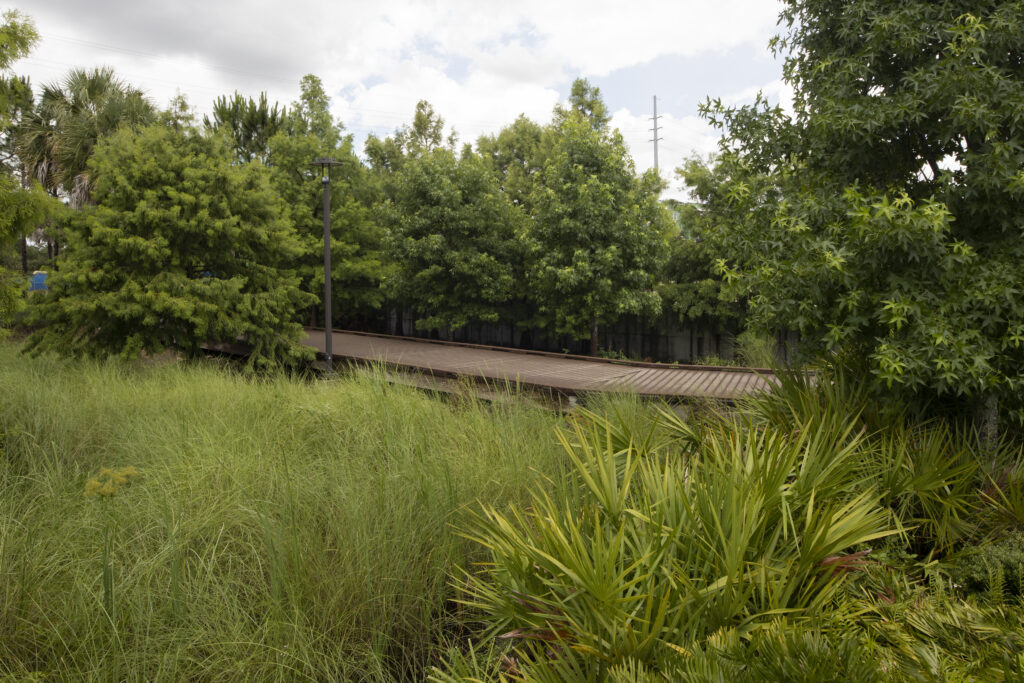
(593, 336)
(24, 255)
(986, 420)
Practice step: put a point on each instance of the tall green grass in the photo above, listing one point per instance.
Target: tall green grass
(277, 529)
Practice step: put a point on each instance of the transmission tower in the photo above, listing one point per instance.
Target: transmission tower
(655, 129)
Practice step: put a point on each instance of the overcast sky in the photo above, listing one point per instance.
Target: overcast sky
(480, 63)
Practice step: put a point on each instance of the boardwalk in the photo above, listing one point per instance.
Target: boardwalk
(566, 374)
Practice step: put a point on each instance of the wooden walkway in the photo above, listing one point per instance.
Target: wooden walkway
(536, 369)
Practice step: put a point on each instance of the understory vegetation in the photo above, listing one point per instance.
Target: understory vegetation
(802, 536)
(161, 521)
(269, 529)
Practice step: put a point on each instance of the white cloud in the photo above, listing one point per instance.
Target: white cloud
(479, 62)
(600, 37)
(776, 92)
(682, 138)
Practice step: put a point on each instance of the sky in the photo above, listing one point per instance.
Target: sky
(480, 63)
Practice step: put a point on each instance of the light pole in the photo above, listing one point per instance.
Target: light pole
(325, 178)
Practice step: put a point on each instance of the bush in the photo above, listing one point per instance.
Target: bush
(666, 542)
(994, 569)
(184, 248)
(792, 539)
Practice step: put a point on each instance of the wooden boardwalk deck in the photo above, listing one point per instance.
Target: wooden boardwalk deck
(565, 374)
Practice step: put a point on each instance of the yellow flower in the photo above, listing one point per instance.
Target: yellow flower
(109, 480)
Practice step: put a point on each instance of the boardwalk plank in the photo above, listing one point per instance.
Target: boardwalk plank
(566, 374)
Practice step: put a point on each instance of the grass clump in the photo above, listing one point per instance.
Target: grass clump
(273, 529)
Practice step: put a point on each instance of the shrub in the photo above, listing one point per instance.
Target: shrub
(660, 547)
(748, 545)
(995, 569)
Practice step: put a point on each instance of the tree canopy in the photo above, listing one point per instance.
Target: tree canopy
(20, 207)
(585, 99)
(884, 218)
(453, 240)
(424, 135)
(690, 289)
(309, 132)
(544, 226)
(250, 123)
(183, 248)
(17, 38)
(57, 140)
(516, 156)
(599, 232)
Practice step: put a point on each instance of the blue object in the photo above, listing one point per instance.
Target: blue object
(38, 282)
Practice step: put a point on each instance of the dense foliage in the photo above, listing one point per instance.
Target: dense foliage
(517, 154)
(183, 248)
(454, 238)
(599, 235)
(21, 208)
(545, 228)
(563, 235)
(803, 537)
(690, 289)
(883, 219)
(880, 219)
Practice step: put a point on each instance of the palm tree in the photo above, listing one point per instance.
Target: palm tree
(35, 144)
(58, 138)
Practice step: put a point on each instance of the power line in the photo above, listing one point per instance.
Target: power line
(55, 64)
(396, 117)
(154, 55)
(399, 118)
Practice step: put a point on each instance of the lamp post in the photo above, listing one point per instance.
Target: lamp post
(325, 178)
